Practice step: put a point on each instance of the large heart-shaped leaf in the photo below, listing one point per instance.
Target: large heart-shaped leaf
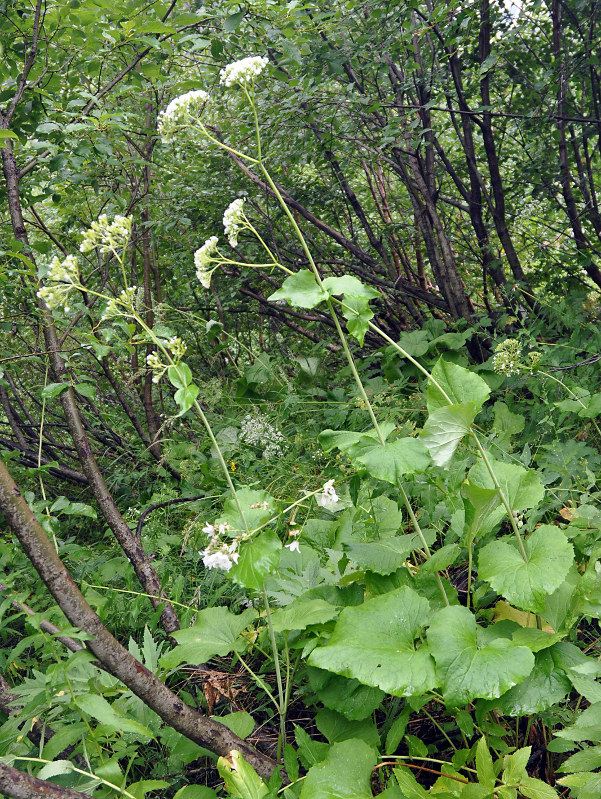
(345, 771)
(459, 384)
(375, 643)
(381, 557)
(527, 584)
(301, 290)
(468, 664)
(522, 487)
(392, 460)
(258, 558)
(546, 685)
(444, 429)
(215, 632)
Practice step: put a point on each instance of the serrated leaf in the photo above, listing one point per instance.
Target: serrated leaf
(180, 376)
(468, 664)
(444, 429)
(215, 632)
(441, 559)
(375, 643)
(587, 759)
(98, 708)
(514, 766)
(349, 286)
(54, 769)
(587, 726)
(184, 397)
(537, 789)
(86, 390)
(527, 584)
(301, 290)
(392, 460)
(484, 765)
(459, 384)
(546, 685)
(345, 771)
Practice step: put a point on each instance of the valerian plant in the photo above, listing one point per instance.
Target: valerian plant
(351, 594)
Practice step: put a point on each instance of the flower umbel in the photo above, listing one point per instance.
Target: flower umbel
(233, 218)
(123, 305)
(243, 72)
(203, 257)
(219, 554)
(180, 111)
(258, 431)
(328, 497)
(506, 359)
(107, 236)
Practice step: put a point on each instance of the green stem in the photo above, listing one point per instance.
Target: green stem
(278, 677)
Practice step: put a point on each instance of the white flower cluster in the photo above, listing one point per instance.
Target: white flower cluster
(154, 363)
(506, 359)
(177, 347)
(258, 431)
(181, 111)
(219, 554)
(203, 257)
(107, 236)
(233, 221)
(62, 276)
(328, 497)
(243, 72)
(123, 305)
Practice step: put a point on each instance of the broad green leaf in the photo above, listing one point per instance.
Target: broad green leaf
(310, 752)
(215, 632)
(392, 460)
(546, 685)
(240, 779)
(258, 508)
(349, 286)
(232, 22)
(536, 789)
(381, 557)
(459, 384)
(396, 731)
(54, 389)
(184, 397)
(98, 708)
(301, 613)
(345, 772)
(64, 737)
(86, 390)
(484, 765)
(258, 558)
(353, 444)
(441, 559)
(375, 643)
(444, 429)
(240, 723)
(350, 697)
(514, 766)
(301, 290)
(587, 785)
(180, 376)
(527, 584)
(522, 487)
(142, 787)
(358, 315)
(468, 665)
(335, 727)
(8, 134)
(483, 511)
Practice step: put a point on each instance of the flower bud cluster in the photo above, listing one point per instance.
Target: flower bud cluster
(243, 72)
(180, 111)
(123, 305)
(233, 219)
(62, 276)
(203, 257)
(506, 359)
(177, 347)
(107, 236)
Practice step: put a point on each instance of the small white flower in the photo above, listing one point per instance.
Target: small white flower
(217, 560)
(209, 529)
(233, 218)
(180, 111)
(203, 257)
(244, 71)
(328, 497)
(123, 305)
(293, 546)
(506, 359)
